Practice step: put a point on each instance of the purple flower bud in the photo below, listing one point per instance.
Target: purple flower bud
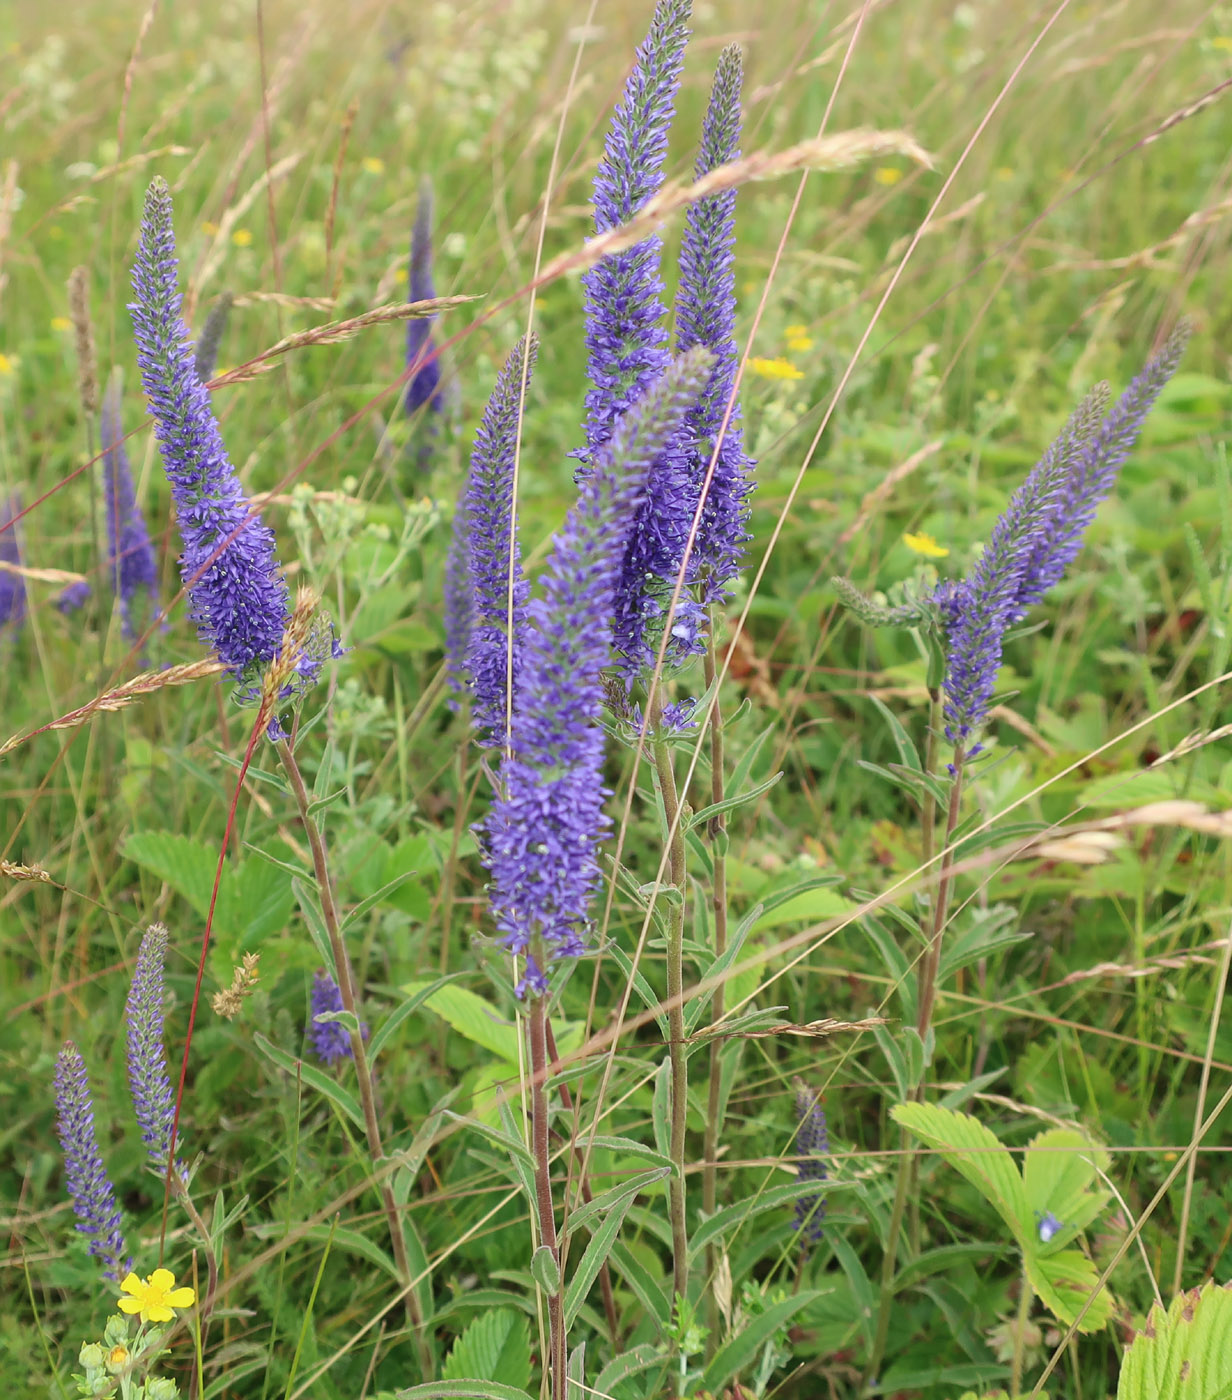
(330, 1040)
(12, 586)
(205, 357)
(496, 583)
(812, 1150)
(133, 566)
(548, 818)
(93, 1196)
(237, 594)
(74, 596)
(149, 1082)
(424, 385)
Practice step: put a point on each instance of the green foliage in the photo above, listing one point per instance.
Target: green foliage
(495, 1347)
(1184, 1353)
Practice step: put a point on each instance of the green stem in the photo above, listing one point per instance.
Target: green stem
(538, 1020)
(675, 996)
(363, 1071)
(889, 1263)
(932, 955)
(1024, 1316)
(717, 831)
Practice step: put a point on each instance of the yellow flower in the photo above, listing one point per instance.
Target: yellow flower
(209, 228)
(887, 175)
(798, 339)
(241, 238)
(925, 545)
(1222, 41)
(117, 1358)
(374, 165)
(1005, 172)
(61, 323)
(774, 369)
(156, 1297)
(6, 365)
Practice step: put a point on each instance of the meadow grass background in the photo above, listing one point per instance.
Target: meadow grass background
(1066, 241)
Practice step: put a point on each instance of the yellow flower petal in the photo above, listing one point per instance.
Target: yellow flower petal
(887, 175)
(157, 1313)
(131, 1305)
(374, 165)
(162, 1279)
(181, 1297)
(774, 369)
(925, 545)
(242, 238)
(130, 1283)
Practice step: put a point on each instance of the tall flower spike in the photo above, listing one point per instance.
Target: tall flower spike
(626, 341)
(74, 596)
(149, 1082)
(12, 586)
(237, 594)
(93, 1196)
(706, 315)
(133, 565)
(1093, 473)
(548, 818)
(496, 580)
(424, 385)
(812, 1150)
(459, 604)
(205, 357)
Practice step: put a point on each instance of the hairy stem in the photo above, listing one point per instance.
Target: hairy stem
(538, 1021)
(675, 993)
(605, 1275)
(717, 831)
(363, 1071)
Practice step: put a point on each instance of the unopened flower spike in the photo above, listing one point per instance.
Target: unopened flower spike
(149, 1082)
(134, 569)
(237, 594)
(12, 586)
(205, 357)
(1037, 537)
(542, 833)
(330, 1040)
(487, 522)
(93, 1195)
(424, 384)
(812, 1153)
(625, 337)
(74, 597)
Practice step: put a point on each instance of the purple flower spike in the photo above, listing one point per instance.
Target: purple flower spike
(133, 566)
(93, 1196)
(496, 582)
(149, 1082)
(237, 594)
(12, 586)
(459, 604)
(706, 315)
(812, 1149)
(626, 341)
(330, 1040)
(74, 597)
(1093, 474)
(548, 818)
(424, 385)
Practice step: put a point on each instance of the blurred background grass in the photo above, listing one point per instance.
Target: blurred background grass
(1068, 238)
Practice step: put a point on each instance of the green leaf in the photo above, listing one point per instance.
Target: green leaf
(974, 1151)
(1059, 1173)
(1185, 1353)
(462, 1390)
(648, 1291)
(495, 1347)
(617, 1198)
(397, 1016)
(730, 804)
(1064, 1282)
(545, 1270)
(630, 1363)
(742, 1349)
(773, 1198)
(509, 1141)
(471, 1016)
(341, 1237)
(342, 1098)
(907, 753)
(807, 902)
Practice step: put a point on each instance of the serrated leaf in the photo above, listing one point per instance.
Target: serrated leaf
(978, 1154)
(1059, 1173)
(495, 1347)
(1064, 1282)
(462, 1390)
(1185, 1353)
(742, 1349)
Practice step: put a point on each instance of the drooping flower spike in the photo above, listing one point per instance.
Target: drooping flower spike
(134, 569)
(93, 1195)
(12, 586)
(625, 337)
(546, 822)
(1037, 538)
(494, 584)
(330, 1040)
(238, 597)
(812, 1152)
(149, 1081)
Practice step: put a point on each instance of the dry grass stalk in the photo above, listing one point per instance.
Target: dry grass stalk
(83, 334)
(887, 484)
(809, 1028)
(825, 154)
(1149, 968)
(135, 162)
(232, 216)
(11, 870)
(8, 203)
(60, 576)
(334, 331)
(284, 299)
(344, 138)
(230, 1001)
(123, 696)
